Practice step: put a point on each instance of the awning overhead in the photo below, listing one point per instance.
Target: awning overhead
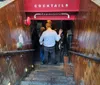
(51, 9)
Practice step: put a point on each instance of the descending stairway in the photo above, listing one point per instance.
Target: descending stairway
(48, 75)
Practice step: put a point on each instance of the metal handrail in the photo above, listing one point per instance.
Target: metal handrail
(97, 59)
(16, 52)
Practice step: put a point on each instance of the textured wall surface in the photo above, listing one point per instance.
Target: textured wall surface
(11, 26)
(87, 41)
(87, 30)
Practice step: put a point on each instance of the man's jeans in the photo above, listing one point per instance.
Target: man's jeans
(50, 50)
(41, 53)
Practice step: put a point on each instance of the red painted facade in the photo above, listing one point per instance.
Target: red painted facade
(51, 5)
(44, 9)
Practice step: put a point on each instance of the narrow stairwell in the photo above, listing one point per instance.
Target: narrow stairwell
(48, 75)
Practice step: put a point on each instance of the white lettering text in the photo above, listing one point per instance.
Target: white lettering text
(50, 5)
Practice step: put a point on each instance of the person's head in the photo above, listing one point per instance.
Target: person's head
(42, 29)
(49, 21)
(48, 25)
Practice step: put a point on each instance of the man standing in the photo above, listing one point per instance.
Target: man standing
(48, 39)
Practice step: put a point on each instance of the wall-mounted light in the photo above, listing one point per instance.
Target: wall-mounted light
(32, 66)
(26, 70)
(9, 83)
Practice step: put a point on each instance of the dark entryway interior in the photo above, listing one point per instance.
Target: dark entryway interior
(35, 26)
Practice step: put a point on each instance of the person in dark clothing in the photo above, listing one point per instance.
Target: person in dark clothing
(34, 36)
(66, 43)
(42, 29)
(63, 44)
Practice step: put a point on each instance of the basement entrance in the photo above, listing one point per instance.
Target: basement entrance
(65, 42)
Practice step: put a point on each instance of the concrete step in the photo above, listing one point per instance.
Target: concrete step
(35, 83)
(46, 83)
(48, 75)
(44, 77)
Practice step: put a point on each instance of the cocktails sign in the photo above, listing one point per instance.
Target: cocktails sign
(51, 5)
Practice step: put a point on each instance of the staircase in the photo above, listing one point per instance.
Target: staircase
(48, 75)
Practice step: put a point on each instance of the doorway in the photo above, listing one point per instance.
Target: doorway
(66, 25)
